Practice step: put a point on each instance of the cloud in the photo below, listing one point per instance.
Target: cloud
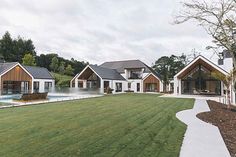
(101, 30)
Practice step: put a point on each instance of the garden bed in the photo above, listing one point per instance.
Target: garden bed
(225, 120)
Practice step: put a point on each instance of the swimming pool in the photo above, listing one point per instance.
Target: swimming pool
(8, 101)
(10, 98)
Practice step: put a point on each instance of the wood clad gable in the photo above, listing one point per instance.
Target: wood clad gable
(16, 74)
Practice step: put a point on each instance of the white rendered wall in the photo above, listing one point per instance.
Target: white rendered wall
(134, 84)
(228, 64)
(176, 85)
(124, 85)
(42, 84)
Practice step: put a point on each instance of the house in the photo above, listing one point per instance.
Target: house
(16, 78)
(121, 76)
(196, 78)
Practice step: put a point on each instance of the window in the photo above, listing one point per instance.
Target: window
(138, 87)
(129, 85)
(118, 87)
(80, 84)
(36, 86)
(47, 85)
(200, 81)
(135, 74)
(15, 87)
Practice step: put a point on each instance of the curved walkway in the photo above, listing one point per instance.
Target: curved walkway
(201, 139)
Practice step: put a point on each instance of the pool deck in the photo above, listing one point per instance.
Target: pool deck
(67, 98)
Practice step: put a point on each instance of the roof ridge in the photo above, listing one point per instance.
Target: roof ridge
(123, 60)
(104, 67)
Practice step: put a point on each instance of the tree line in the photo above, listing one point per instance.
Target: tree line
(23, 51)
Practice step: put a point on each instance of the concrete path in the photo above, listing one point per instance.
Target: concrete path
(201, 139)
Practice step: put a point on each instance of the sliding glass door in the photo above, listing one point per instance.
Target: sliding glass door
(200, 81)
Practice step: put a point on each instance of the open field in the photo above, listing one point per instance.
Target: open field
(121, 125)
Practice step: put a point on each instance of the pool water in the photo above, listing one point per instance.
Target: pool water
(9, 98)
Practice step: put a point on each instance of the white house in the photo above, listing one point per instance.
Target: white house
(16, 78)
(196, 78)
(121, 76)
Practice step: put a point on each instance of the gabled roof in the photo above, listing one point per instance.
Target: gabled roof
(106, 73)
(120, 66)
(38, 72)
(203, 60)
(6, 66)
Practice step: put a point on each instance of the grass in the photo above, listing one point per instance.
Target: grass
(121, 125)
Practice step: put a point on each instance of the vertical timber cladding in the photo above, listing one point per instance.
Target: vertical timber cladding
(151, 80)
(17, 74)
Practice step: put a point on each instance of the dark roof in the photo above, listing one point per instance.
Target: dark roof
(6, 66)
(106, 73)
(154, 72)
(120, 66)
(38, 72)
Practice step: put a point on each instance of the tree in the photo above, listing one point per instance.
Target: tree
(54, 64)
(13, 50)
(61, 68)
(168, 67)
(227, 81)
(6, 47)
(69, 70)
(28, 60)
(217, 17)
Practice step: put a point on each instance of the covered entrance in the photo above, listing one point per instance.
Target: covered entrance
(151, 84)
(88, 79)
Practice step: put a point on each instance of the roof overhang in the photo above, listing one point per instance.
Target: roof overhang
(200, 60)
(152, 75)
(81, 73)
(18, 64)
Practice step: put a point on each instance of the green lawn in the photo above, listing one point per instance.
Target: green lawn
(122, 125)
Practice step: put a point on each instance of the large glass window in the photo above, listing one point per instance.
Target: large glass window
(48, 85)
(151, 87)
(15, 87)
(200, 81)
(135, 74)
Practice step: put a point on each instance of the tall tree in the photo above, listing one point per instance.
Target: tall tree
(13, 50)
(168, 67)
(61, 68)
(69, 70)
(6, 47)
(217, 17)
(227, 81)
(29, 60)
(54, 64)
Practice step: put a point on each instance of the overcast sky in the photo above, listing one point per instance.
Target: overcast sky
(103, 30)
